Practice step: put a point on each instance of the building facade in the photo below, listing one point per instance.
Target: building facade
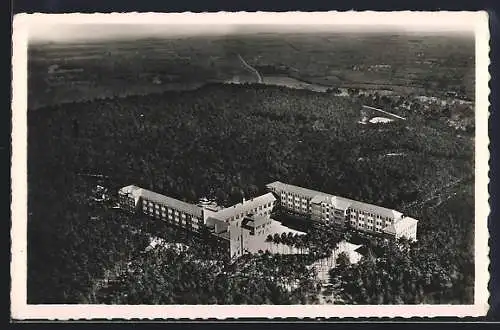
(170, 210)
(242, 228)
(344, 213)
(293, 198)
(245, 224)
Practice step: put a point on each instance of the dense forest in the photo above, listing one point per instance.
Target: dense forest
(228, 141)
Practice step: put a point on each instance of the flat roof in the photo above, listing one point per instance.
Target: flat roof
(248, 205)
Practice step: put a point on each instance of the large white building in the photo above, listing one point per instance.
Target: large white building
(170, 210)
(243, 224)
(243, 227)
(343, 212)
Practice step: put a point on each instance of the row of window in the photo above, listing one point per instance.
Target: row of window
(298, 201)
(166, 213)
(333, 211)
(170, 212)
(368, 214)
(361, 220)
(378, 229)
(187, 224)
(292, 196)
(298, 204)
(378, 224)
(298, 207)
(353, 219)
(304, 206)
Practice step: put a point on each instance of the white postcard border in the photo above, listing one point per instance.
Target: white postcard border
(20, 310)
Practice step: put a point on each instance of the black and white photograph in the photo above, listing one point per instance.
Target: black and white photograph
(249, 164)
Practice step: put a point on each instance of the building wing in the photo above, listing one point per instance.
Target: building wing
(245, 207)
(338, 202)
(173, 203)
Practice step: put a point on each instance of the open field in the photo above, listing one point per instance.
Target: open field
(404, 63)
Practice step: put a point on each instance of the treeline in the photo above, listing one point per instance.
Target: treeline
(219, 141)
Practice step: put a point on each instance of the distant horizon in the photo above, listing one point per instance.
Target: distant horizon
(67, 28)
(92, 33)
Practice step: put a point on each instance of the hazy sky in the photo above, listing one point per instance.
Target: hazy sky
(77, 27)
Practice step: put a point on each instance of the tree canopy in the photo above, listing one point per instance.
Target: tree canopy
(227, 142)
